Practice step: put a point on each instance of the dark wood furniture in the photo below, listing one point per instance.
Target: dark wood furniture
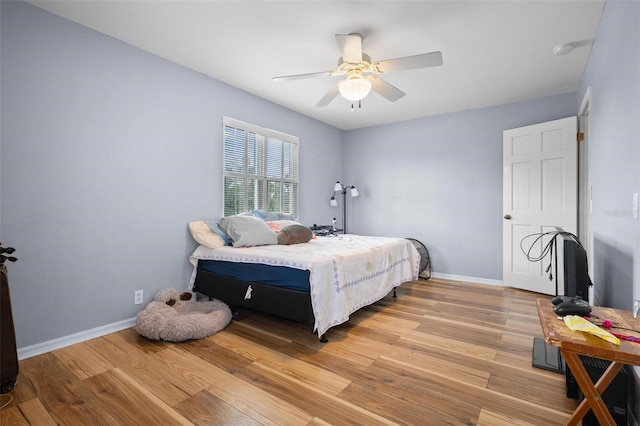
(575, 343)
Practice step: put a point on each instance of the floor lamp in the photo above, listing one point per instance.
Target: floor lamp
(334, 203)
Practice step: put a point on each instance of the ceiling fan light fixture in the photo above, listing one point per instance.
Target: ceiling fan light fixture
(355, 87)
(362, 74)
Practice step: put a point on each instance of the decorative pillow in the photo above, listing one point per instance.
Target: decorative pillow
(277, 225)
(246, 231)
(213, 225)
(268, 216)
(294, 234)
(203, 234)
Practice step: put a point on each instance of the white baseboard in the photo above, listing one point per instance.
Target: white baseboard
(61, 342)
(468, 279)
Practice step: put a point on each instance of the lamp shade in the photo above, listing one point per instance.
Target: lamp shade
(355, 87)
(337, 187)
(333, 202)
(354, 192)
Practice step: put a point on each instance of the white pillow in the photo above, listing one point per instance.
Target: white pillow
(246, 231)
(203, 234)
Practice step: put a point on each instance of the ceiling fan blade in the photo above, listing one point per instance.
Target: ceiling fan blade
(385, 89)
(329, 96)
(425, 60)
(350, 47)
(303, 76)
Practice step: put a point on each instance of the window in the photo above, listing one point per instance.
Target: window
(260, 169)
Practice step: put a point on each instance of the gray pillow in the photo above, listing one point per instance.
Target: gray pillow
(246, 231)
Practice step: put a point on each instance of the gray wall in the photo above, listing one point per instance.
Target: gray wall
(613, 73)
(439, 180)
(107, 153)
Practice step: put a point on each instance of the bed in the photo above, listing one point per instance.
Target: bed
(321, 282)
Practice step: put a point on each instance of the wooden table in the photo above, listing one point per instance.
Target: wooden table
(574, 343)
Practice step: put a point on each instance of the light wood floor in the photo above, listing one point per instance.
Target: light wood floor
(444, 352)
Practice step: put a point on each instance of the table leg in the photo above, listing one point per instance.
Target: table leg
(592, 393)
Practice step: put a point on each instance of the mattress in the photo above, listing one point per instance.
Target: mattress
(346, 272)
(277, 276)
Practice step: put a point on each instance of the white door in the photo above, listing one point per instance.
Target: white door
(539, 194)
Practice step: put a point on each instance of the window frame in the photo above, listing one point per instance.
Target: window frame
(261, 178)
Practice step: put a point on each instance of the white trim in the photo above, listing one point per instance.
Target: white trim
(232, 122)
(584, 126)
(72, 339)
(586, 100)
(475, 280)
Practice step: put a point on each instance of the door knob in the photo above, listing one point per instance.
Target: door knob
(507, 216)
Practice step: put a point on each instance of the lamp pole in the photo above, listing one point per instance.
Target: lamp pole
(344, 209)
(339, 187)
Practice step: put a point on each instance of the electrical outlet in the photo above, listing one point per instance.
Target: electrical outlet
(137, 297)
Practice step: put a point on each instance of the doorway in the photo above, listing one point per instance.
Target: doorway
(540, 193)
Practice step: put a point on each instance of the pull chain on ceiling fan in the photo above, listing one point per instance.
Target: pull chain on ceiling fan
(362, 74)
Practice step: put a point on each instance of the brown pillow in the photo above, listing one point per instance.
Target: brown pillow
(294, 234)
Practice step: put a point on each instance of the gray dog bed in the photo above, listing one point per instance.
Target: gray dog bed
(176, 316)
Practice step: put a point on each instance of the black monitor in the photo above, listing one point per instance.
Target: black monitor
(576, 269)
(576, 283)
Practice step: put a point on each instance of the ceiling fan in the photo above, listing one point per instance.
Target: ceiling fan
(362, 74)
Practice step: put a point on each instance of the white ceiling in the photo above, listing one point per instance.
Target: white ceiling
(495, 52)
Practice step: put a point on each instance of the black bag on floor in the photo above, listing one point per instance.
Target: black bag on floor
(8, 350)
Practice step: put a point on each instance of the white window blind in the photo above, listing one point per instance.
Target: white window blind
(260, 169)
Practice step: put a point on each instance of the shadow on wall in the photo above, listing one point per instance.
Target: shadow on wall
(613, 281)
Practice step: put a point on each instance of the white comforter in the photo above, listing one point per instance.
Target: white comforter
(347, 272)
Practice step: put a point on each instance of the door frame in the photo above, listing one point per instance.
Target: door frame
(585, 191)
